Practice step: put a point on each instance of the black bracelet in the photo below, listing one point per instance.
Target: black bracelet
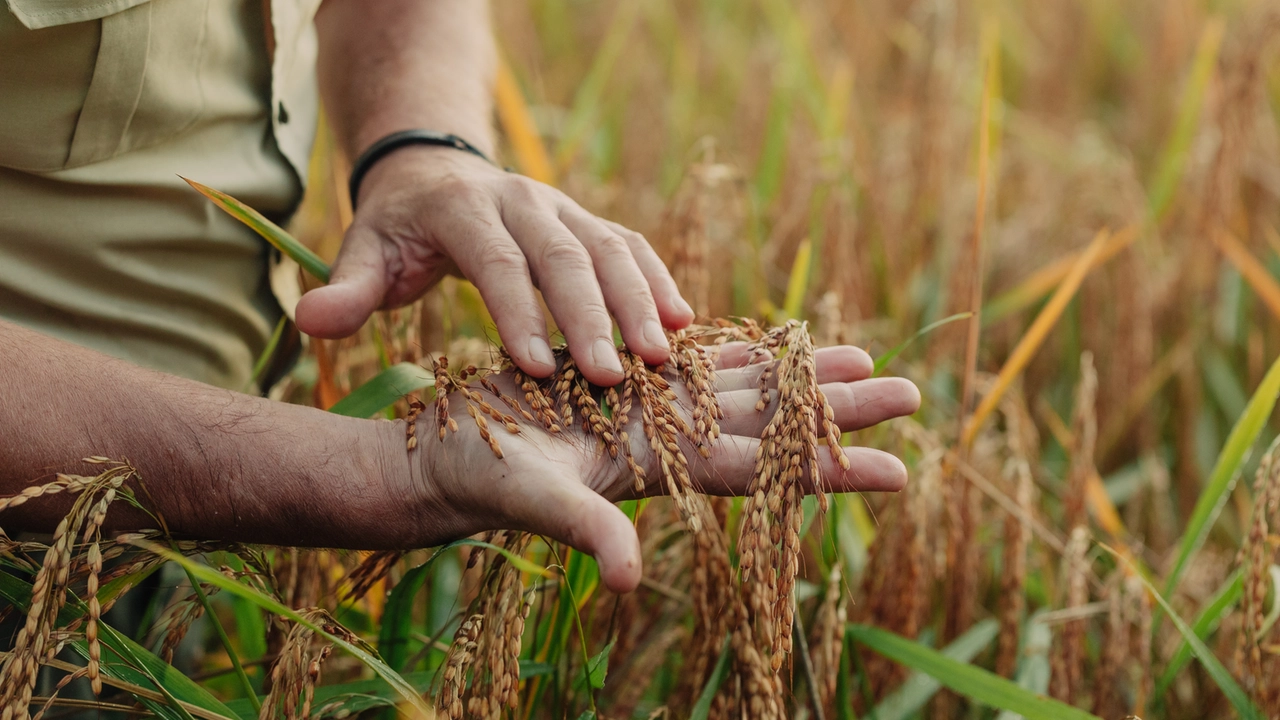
(397, 140)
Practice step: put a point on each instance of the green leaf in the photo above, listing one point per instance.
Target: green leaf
(397, 616)
(518, 562)
(384, 389)
(702, 708)
(920, 687)
(973, 682)
(1173, 157)
(798, 282)
(883, 361)
(1222, 602)
(272, 233)
(407, 692)
(598, 667)
(1227, 684)
(1226, 471)
(251, 631)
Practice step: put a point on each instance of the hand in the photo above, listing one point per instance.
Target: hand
(424, 212)
(564, 487)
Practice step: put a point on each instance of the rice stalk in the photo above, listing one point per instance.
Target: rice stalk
(1084, 432)
(1257, 556)
(1017, 536)
(37, 640)
(1068, 658)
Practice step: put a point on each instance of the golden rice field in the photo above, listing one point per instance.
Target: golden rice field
(1061, 220)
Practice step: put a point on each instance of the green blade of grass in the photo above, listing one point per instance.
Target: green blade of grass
(264, 358)
(973, 682)
(883, 361)
(1226, 471)
(409, 695)
(1222, 602)
(225, 640)
(1164, 182)
(798, 283)
(773, 149)
(587, 101)
(516, 561)
(397, 614)
(1227, 684)
(575, 604)
(702, 708)
(384, 389)
(272, 233)
(920, 687)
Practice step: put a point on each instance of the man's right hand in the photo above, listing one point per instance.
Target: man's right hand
(424, 212)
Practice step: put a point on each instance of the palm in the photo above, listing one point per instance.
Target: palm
(563, 485)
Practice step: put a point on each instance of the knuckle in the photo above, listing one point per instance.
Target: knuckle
(523, 190)
(458, 190)
(503, 257)
(596, 318)
(612, 245)
(632, 237)
(642, 297)
(565, 254)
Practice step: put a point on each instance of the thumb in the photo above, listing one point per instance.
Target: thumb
(357, 286)
(574, 514)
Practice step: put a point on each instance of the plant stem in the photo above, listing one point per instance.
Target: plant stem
(245, 683)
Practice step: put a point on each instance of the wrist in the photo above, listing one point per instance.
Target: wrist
(401, 141)
(416, 166)
(404, 511)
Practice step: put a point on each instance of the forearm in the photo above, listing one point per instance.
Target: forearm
(400, 64)
(216, 464)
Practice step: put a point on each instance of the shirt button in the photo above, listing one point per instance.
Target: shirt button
(282, 115)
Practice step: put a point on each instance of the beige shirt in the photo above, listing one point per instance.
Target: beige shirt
(103, 103)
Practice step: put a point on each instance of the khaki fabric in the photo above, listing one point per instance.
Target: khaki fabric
(102, 106)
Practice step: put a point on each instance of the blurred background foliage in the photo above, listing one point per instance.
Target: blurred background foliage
(827, 160)
(1111, 167)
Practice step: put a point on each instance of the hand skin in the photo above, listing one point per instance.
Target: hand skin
(226, 466)
(424, 212)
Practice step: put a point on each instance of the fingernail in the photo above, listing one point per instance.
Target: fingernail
(685, 305)
(540, 351)
(605, 356)
(654, 334)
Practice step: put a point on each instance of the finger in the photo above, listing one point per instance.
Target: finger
(856, 405)
(572, 513)
(672, 308)
(496, 265)
(564, 272)
(729, 469)
(625, 289)
(843, 363)
(358, 284)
